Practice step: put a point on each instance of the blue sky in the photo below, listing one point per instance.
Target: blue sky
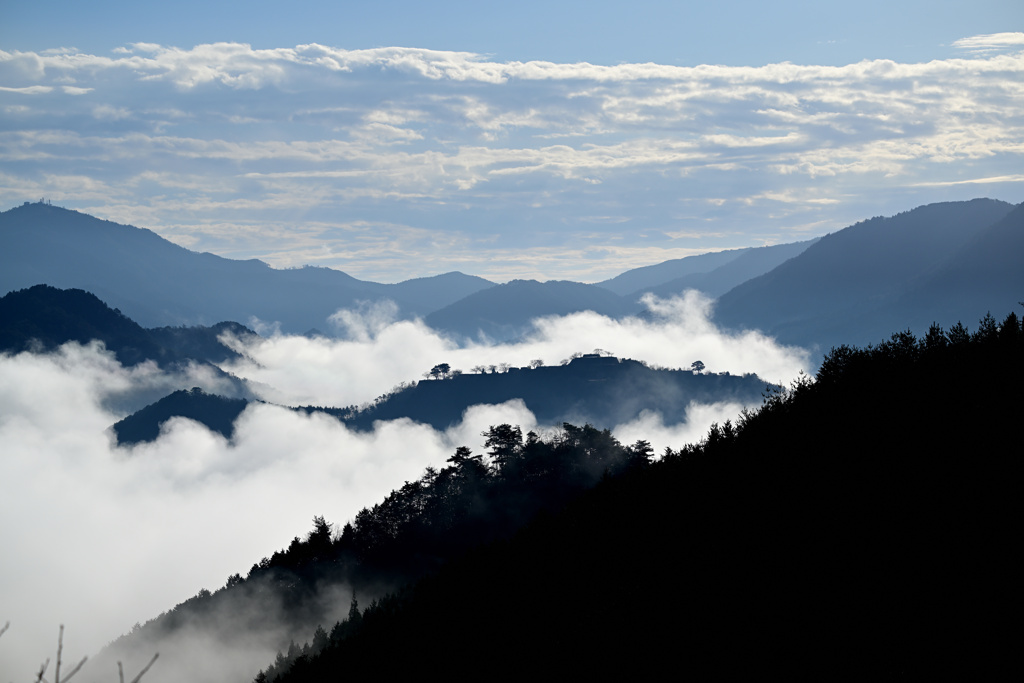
(539, 139)
(733, 32)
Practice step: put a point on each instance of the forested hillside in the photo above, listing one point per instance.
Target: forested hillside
(600, 390)
(217, 413)
(41, 318)
(858, 526)
(474, 500)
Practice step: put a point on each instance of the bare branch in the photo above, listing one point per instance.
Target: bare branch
(42, 670)
(6, 626)
(146, 668)
(60, 648)
(75, 670)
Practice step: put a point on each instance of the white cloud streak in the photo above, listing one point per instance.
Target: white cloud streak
(991, 42)
(379, 354)
(517, 154)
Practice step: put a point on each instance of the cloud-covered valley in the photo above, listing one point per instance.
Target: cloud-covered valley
(393, 162)
(106, 536)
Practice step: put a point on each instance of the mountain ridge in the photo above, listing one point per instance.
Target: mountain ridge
(159, 283)
(849, 286)
(842, 288)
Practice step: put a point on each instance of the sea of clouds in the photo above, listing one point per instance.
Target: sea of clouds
(99, 537)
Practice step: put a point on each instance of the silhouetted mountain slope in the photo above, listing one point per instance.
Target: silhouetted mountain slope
(504, 312)
(158, 283)
(44, 317)
(645, 277)
(474, 500)
(216, 412)
(833, 291)
(854, 528)
(750, 263)
(201, 343)
(602, 391)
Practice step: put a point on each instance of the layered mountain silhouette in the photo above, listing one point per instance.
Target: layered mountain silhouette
(940, 262)
(748, 264)
(599, 390)
(855, 526)
(713, 273)
(158, 283)
(646, 277)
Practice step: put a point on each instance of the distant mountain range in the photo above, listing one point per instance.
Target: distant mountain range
(941, 262)
(504, 312)
(938, 263)
(157, 283)
(600, 390)
(713, 273)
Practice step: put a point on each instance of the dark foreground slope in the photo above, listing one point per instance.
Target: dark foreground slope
(229, 634)
(859, 527)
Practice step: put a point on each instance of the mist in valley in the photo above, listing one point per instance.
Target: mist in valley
(107, 537)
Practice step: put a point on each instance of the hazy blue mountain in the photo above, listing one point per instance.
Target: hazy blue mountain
(200, 342)
(504, 312)
(750, 263)
(424, 295)
(844, 288)
(158, 283)
(987, 274)
(645, 277)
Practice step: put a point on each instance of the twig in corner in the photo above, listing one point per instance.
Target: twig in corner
(120, 669)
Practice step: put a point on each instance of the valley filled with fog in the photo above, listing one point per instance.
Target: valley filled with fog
(113, 533)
